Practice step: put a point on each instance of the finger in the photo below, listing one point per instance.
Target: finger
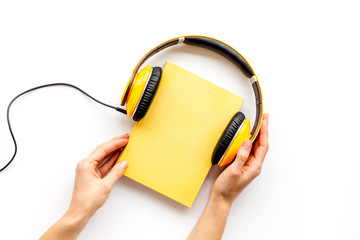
(252, 168)
(125, 135)
(261, 145)
(264, 132)
(116, 172)
(106, 149)
(105, 168)
(243, 153)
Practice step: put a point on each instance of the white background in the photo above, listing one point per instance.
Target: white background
(305, 54)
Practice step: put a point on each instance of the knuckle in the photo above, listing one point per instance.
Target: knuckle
(81, 166)
(257, 170)
(266, 147)
(116, 145)
(244, 152)
(99, 147)
(107, 187)
(235, 174)
(103, 151)
(243, 156)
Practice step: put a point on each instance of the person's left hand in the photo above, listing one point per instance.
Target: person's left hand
(93, 181)
(95, 177)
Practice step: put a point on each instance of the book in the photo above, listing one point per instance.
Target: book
(170, 149)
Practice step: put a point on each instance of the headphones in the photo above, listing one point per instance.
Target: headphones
(141, 89)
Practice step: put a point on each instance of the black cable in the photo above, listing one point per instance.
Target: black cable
(43, 86)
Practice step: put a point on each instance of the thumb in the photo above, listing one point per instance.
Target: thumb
(116, 172)
(243, 153)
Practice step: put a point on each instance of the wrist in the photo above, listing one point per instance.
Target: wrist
(74, 218)
(212, 222)
(220, 203)
(67, 227)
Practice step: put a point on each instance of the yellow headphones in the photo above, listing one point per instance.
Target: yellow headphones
(142, 86)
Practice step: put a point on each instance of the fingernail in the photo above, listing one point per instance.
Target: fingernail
(123, 164)
(246, 144)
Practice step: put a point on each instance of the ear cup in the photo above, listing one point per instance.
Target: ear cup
(136, 89)
(227, 136)
(148, 94)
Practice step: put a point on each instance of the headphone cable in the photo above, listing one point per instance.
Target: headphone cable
(43, 86)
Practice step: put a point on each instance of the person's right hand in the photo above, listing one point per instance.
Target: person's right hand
(244, 169)
(229, 184)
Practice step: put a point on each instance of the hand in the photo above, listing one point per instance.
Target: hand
(94, 180)
(244, 169)
(229, 184)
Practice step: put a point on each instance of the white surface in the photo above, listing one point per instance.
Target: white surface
(305, 54)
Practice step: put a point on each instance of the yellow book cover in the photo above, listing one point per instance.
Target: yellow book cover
(170, 149)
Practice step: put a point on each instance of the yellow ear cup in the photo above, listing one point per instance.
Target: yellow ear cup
(124, 93)
(137, 89)
(239, 138)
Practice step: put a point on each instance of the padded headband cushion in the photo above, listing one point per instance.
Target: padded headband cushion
(148, 94)
(222, 49)
(227, 137)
